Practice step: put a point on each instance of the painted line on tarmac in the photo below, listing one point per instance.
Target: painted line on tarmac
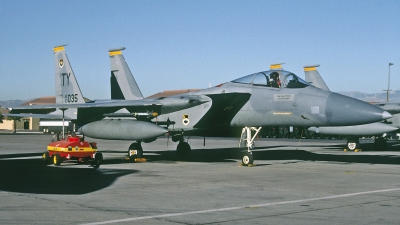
(242, 207)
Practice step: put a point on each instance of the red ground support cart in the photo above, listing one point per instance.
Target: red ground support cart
(74, 148)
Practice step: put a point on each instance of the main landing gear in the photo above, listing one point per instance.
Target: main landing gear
(380, 143)
(353, 144)
(135, 151)
(247, 140)
(183, 149)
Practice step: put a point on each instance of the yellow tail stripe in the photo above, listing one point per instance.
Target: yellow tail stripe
(309, 69)
(275, 66)
(115, 53)
(58, 48)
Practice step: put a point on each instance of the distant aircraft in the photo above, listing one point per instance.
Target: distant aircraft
(353, 133)
(269, 98)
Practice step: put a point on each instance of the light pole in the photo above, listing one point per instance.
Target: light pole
(387, 91)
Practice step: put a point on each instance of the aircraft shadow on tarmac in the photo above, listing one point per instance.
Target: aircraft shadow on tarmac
(272, 153)
(32, 176)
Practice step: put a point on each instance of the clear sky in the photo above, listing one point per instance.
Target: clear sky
(197, 43)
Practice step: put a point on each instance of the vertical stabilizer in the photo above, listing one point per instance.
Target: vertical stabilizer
(67, 88)
(313, 77)
(123, 85)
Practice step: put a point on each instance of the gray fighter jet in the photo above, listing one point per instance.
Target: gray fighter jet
(353, 133)
(270, 98)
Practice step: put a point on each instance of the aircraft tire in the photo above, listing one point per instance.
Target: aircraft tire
(183, 150)
(353, 144)
(135, 147)
(247, 159)
(380, 144)
(57, 159)
(46, 157)
(98, 159)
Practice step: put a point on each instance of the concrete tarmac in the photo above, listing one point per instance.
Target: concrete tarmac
(294, 182)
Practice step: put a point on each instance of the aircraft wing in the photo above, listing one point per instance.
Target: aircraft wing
(42, 116)
(95, 110)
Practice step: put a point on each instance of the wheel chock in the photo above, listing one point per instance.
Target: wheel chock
(140, 160)
(355, 150)
(250, 165)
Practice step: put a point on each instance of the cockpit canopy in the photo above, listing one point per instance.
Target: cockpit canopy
(273, 78)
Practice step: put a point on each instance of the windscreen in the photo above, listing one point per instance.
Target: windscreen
(274, 79)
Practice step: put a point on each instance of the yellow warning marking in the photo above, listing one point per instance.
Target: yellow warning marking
(309, 69)
(140, 160)
(275, 66)
(58, 48)
(115, 53)
(249, 165)
(73, 149)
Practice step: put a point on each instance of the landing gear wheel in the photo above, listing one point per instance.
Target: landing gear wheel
(57, 159)
(380, 144)
(46, 158)
(98, 159)
(353, 144)
(135, 151)
(247, 159)
(183, 150)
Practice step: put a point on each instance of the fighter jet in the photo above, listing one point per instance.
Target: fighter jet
(353, 133)
(312, 76)
(269, 98)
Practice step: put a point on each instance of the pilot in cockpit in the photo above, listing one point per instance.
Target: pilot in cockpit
(274, 80)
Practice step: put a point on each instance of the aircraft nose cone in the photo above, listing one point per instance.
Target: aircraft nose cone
(345, 111)
(386, 115)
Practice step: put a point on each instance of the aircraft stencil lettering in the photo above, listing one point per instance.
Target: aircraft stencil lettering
(71, 98)
(283, 97)
(63, 79)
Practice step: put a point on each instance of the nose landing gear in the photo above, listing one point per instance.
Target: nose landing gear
(247, 140)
